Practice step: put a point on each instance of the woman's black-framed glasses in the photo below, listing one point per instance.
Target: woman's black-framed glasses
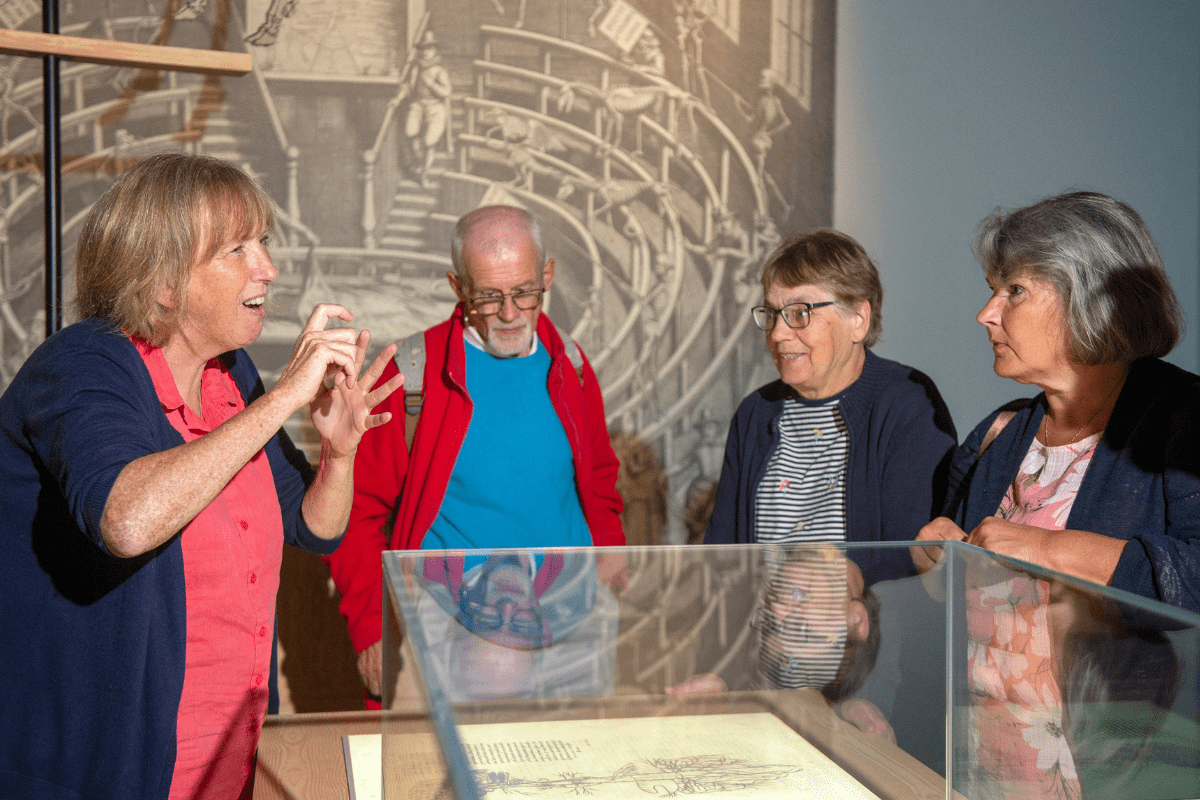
(524, 299)
(796, 315)
(792, 628)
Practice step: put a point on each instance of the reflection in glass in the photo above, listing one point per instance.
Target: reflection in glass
(987, 676)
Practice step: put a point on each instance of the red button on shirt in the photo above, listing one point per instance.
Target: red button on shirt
(219, 716)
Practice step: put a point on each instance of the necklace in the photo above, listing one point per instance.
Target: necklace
(1045, 419)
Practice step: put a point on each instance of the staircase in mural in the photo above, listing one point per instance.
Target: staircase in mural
(656, 272)
(638, 178)
(407, 220)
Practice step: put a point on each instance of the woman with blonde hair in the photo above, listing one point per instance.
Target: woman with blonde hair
(148, 492)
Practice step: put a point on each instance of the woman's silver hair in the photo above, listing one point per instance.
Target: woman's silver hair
(464, 226)
(1099, 254)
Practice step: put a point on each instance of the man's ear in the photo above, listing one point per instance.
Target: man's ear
(456, 285)
(548, 273)
(858, 622)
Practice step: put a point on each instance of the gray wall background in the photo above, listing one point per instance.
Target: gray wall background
(946, 109)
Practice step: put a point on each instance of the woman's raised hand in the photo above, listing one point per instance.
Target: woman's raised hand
(324, 373)
(317, 355)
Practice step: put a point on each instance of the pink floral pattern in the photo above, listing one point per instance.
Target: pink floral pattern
(1017, 708)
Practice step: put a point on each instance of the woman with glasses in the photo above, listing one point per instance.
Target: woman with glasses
(845, 446)
(817, 625)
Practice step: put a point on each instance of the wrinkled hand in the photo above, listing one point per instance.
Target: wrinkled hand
(866, 716)
(370, 668)
(1026, 542)
(318, 354)
(941, 529)
(612, 569)
(704, 683)
(341, 408)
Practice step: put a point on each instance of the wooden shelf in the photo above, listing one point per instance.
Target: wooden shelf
(124, 54)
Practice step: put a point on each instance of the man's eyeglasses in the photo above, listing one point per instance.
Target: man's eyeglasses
(796, 315)
(524, 299)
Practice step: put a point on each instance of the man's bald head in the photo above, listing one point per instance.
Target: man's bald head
(487, 230)
(500, 275)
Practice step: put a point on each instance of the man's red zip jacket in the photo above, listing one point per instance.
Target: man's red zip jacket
(384, 469)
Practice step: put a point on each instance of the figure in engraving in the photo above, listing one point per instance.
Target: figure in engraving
(426, 86)
(647, 56)
(767, 121)
(690, 16)
(9, 106)
(191, 9)
(618, 101)
(613, 193)
(268, 31)
(519, 22)
(518, 139)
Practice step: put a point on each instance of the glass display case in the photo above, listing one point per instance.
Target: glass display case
(765, 671)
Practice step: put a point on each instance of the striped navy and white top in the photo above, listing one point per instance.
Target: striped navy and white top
(802, 496)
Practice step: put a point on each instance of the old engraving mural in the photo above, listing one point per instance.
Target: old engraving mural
(665, 146)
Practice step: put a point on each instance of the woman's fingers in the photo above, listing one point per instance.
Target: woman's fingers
(939, 530)
(377, 366)
(320, 355)
(381, 393)
(324, 312)
(315, 328)
(325, 368)
(375, 420)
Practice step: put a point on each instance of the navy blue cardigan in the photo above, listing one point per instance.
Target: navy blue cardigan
(901, 439)
(91, 669)
(1143, 483)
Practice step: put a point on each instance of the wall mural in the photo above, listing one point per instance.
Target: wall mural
(665, 146)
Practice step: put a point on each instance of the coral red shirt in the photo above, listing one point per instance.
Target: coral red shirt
(231, 557)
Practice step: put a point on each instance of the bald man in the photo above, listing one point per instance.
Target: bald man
(510, 446)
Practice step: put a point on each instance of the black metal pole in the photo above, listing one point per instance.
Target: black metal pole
(52, 168)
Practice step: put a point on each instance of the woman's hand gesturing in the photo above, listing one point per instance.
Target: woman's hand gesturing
(324, 372)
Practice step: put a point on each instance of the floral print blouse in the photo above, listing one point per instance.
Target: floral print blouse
(1017, 709)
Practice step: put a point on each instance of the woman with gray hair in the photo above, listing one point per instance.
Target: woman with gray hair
(846, 446)
(1099, 475)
